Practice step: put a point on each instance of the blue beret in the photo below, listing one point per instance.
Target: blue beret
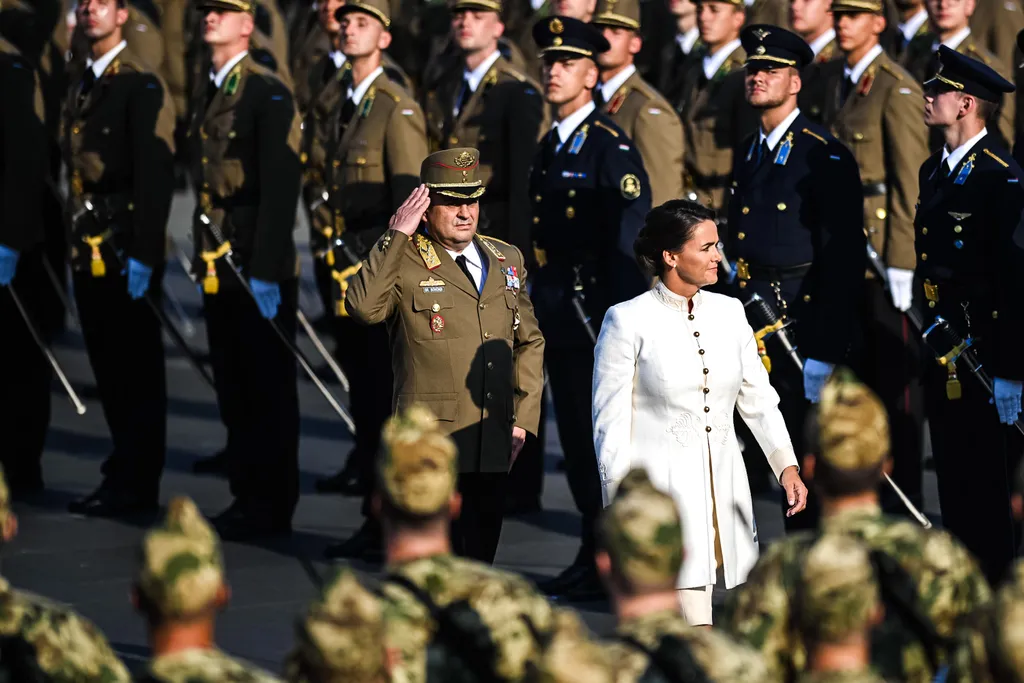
(969, 76)
(768, 45)
(568, 37)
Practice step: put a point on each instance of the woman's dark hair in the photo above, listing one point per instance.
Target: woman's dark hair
(667, 228)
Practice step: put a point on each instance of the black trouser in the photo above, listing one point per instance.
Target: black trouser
(25, 387)
(890, 360)
(255, 376)
(125, 345)
(571, 374)
(975, 459)
(364, 353)
(475, 534)
(526, 480)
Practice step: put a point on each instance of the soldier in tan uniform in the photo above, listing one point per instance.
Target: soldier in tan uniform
(948, 24)
(874, 108)
(774, 12)
(912, 22)
(812, 21)
(995, 24)
(464, 339)
(376, 142)
(716, 117)
(636, 107)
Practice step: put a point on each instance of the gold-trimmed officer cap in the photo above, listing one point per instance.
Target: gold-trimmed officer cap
(620, 13)
(769, 46)
(838, 593)
(379, 9)
(486, 5)
(567, 38)
(418, 464)
(453, 173)
(969, 76)
(853, 428)
(228, 5)
(858, 7)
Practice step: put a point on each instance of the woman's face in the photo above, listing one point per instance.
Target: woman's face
(697, 262)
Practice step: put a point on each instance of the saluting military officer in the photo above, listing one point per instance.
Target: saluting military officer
(487, 103)
(710, 102)
(377, 141)
(246, 169)
(812, 21)
(636, 107)
(464, 339)
(118, 141)
(874, 109)
(795, 225)
(590, 196)
(969, 255)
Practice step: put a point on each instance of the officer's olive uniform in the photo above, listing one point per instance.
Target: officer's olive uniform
(814, 80)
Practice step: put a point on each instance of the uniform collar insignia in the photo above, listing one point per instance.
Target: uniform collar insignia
(367, 105)
(576, 144)
(427, 253)
(233, 80)
(965, 170)
(782, 156)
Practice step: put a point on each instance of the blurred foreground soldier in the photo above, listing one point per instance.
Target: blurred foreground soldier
(838, 605)
(969, 251)
(637, 108)
(118, 140)
(640, 557)
(795, 227)
(41, 641)
(571, 656)
(812, 21)
(464, 339)
(245, 157)
(590, 195)
(340, 637)
(874, 108)
(928, 580)
(25, 393)
(377, 141)
(990, 643)
(710, 103)
(178, 591)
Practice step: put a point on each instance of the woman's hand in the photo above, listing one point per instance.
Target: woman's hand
(796, 492)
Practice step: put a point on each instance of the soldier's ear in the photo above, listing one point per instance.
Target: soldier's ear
(455, 506)
(122, 16)
(10, 528)
(808, 465)
(384, 41)
(220, 601)
(636, 43)
(603, 561)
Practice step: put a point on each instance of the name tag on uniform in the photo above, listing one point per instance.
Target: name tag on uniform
(432, 286)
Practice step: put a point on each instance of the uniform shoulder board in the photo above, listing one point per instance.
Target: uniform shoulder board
(508, 69)
(973, 49)
(815, 136)
(998, 160)
(493, 249)
(599, 124)
(388, 87)
(892, 72)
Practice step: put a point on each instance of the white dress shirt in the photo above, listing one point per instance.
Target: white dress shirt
(566, 126)
(356, 94)
(819, 43)
(954, 157)
(913, 24)
(218, 78)
(779, 130)
(101, 64)
(686, 41)
(475, 262)
(954, 40)
(615, 82)
(474, 77)
(712, 63)
(860, 67)
(338, 57)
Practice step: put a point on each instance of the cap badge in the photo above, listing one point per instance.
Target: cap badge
(556, 26)
(464, 160)
(760, 50)
(761, 34)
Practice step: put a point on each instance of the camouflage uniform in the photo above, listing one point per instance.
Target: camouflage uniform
(948, 582)
(642, 533)
(990, 643)
(840, 677)
(181, 573)
(571, 657)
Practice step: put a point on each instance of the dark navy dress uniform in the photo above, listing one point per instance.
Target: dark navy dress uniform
(590, 197)
(796, 235)
(970, 251)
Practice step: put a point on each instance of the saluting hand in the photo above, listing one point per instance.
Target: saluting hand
(407, 219)
(796, 492)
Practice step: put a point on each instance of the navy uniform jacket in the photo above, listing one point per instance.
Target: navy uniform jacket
(589, 202)
(970, 249)
(806, 211)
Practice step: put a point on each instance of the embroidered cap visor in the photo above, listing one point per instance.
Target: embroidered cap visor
(375, 8)
(618, 13)
(857, 7)
(227, 5)
(486, 5)
(773, 47)
(453, 173)
(969, 76)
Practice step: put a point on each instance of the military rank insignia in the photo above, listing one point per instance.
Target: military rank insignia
(436, 323)
(782, 156)
(432, 285)
(511, 279)
(427, 253)
(234, 80)
(576, 144)
(630, 186)
(965, 170)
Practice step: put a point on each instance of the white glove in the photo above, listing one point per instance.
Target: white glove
(816, 374)
(1006, 395)
(901, 287)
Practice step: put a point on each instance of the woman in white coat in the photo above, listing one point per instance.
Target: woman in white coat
(671, 367)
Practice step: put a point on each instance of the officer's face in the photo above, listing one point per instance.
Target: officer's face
(225, 28)
(810, 17)
(857, 31)
(949, 15)
(697, 262)
(476, 29)
(683, 10)
(451, 221)
(362, 35)
(769, 87)
(625, 43)
(577, 9)
(100, 18)
(566, 79)
(326, 12)
(719, 22)
(942, 106)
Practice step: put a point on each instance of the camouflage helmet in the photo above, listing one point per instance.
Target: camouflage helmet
(838, 591)
(418, 466)
(340, 633)
(853, 428)
(181, 568)
(571, 656)
(643, 534)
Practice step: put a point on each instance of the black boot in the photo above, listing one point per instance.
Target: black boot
(364, 544)
(215, 464)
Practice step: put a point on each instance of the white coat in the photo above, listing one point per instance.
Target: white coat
(666, 383)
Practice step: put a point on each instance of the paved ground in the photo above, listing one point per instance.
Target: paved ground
(89, 563)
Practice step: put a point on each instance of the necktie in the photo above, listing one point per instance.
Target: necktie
(465, 92)
(848, 86)
(943, 172)
(211, 90)
(762, 152)
(464, 266)
(599, 100)
(348, 110)
(88, 80)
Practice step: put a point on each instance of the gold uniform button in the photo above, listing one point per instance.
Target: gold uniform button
(746, 210)
(76, 130)
(336, 163)
(743, 284)
(924, 257)
(489, 396)
(570, 212)
(490, 365)
(781, 206)
(537, 198)
(924, 231)
(958, 228)
(741, 236)
(995, 315)
(807, 297)
(880, 214)
(435, 308)
(931, 304)
(572, 193)
(708, 429)
(858, 136)
(536, 220)
(360, 161)
(482, 306)
(453, 140)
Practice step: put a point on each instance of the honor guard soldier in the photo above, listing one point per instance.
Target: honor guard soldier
(913, 22)
(485, 102)
(929, 581)
(373, 155)
(969, 254)
(874, 108)
(640, 556)
(246, 170)
(636, 107)
(25, 393)
(710, 102)
(795, 226)
(812, 21)
(677, 53)
(118, 133)
(464, 339)
(591, 194)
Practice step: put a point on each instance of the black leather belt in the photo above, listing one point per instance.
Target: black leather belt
(875, 190)
(778, 273)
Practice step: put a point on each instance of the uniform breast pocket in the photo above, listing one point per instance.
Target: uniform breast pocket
(364, 165)
(433, 315)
